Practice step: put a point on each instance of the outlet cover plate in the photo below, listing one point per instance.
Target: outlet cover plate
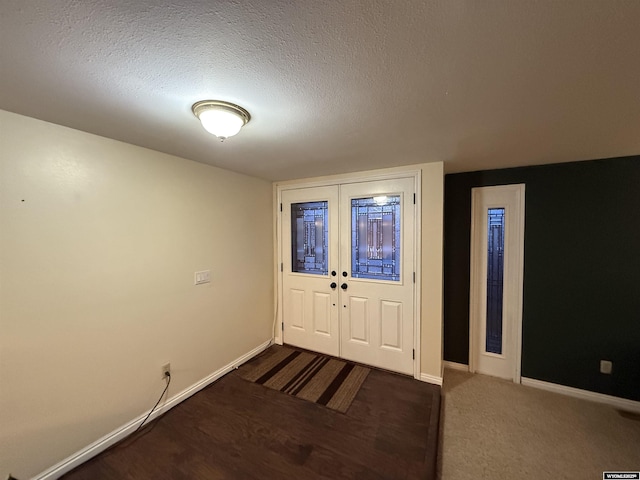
(606, 366)
(166, 368)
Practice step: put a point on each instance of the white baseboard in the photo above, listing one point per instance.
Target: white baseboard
(115, 436)
(456, 366)
(424, 377)
(616, 402)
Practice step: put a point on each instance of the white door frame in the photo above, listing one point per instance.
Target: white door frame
(476, 300)
(386, 174)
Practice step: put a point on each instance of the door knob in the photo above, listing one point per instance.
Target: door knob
(333, 285)
(344, 286)
(344, 274)
(333, 273)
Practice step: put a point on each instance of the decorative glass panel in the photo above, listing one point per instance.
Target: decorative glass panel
(310, 237)
(495, 275)
(375, 238)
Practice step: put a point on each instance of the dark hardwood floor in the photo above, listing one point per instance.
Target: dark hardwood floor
(235, 429)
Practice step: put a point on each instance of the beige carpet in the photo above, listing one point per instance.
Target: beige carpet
(495, 429)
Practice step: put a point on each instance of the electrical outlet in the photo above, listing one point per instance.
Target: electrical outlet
(606, 366)
(166, 368)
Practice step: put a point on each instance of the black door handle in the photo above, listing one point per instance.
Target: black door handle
(333, 285)
(333, 273)
(344, 274)
(344, 286)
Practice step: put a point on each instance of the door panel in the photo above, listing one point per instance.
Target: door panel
(358, 320)
(310, 254)
(495, 303)
(379, 253)
(296, 309)
(391, 325)
(322, 313)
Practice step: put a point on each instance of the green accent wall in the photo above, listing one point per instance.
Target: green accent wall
(581, 271)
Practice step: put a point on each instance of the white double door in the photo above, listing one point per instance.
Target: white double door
(348, 271)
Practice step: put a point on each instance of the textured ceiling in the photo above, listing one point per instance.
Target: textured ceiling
(335, 86)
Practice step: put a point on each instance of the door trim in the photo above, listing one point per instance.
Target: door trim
(386, 174)
(475, 289)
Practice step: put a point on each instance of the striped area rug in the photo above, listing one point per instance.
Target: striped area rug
(313, 377)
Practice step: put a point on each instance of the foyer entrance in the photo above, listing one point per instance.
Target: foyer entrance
(348, 271)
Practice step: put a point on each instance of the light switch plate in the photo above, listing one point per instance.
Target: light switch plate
(202, 277)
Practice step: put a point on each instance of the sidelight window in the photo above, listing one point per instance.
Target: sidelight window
(495, 276)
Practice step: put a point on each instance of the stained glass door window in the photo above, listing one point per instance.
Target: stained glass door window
(310, 237)
(495, 277)
(375, 238)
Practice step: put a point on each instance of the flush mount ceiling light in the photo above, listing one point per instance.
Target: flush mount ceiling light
(222, 119)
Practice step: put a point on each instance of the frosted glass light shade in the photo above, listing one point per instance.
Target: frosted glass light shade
(221, 123)
(221, 119)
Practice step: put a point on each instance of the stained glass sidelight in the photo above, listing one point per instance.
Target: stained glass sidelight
(375, 238)
(495, 276)
(310, 237)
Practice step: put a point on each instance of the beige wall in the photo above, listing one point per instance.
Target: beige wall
(99, 242)
(432, 245)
